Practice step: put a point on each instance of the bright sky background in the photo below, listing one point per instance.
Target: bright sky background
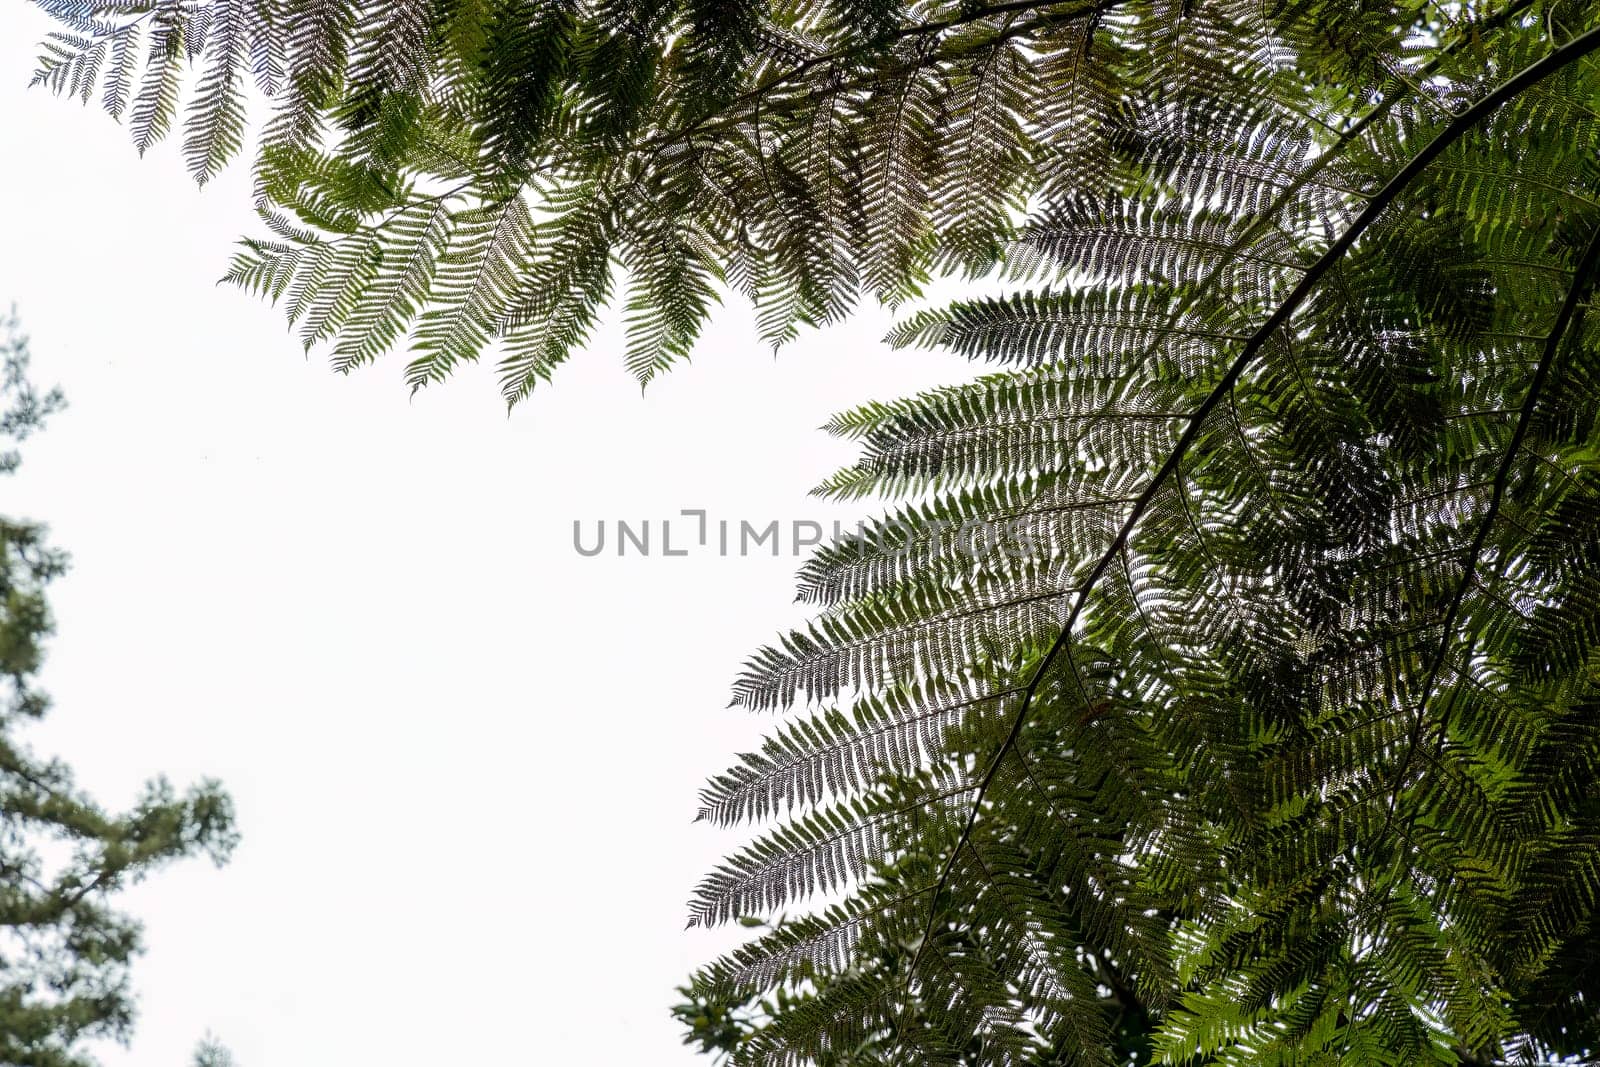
(465, 758)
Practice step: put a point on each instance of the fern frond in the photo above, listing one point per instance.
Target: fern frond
(215, 126)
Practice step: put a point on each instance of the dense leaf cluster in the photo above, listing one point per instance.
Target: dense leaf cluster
(456, 177)
(1281, 737)
(1286, 734)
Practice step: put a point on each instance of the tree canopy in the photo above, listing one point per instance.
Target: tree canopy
(65, 951)
(449, 177)
(1277, 724)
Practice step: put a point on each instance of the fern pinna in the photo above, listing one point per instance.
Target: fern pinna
(1273, 738)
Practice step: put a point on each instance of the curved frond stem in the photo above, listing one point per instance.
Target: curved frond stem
(1457, 128)
(1570, 314)
(1348, 136)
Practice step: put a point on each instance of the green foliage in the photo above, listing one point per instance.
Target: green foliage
(64, 952)
(1277, 733)
(1281, 734)
(457, 179)
(212, 1053)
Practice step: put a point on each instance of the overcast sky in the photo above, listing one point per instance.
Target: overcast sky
(465, 757)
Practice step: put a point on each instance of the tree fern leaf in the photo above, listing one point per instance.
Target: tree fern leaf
(215, 120)
(473, 287)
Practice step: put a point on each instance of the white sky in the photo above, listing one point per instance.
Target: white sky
(465, 759)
